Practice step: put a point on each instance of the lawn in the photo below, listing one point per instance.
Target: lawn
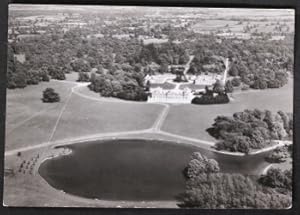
(29, 121)
(84, 117)
(24, 103)
(193, 120)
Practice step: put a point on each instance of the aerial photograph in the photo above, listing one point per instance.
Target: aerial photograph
(149, 107)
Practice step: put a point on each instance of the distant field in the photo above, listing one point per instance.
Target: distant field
(238, 27)
(154, 40)
(213, 24)
(193, 120)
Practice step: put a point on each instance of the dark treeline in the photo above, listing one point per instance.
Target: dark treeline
(207, 187)
(251, 129)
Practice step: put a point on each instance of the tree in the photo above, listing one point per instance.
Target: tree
(80, 65)
(16, 74)
(218, 88)
(33, 77)
(228, 87)
(163, 68)
(56, 73)
(201, 164)
(44, 74)
(49, 95)
(276, 178)
(243, 144)
(278, 155)
(233, 71)
(236, 82)
(100, 69)
(83, 77)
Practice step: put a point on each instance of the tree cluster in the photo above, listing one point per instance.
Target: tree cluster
(209, 97)
(259, 63)
(20, 75)
(164, 54)
(206, 187)
(251, 129)
(279, 179)
(128, 85)
(278, 155)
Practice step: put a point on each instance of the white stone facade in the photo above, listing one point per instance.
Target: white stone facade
(160, 95)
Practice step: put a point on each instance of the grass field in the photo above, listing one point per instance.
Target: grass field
(23, 103)
(84, 117)
(265, 26)
(213, 24)
(29, 121)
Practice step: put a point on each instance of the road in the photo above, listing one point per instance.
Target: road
(187, 66)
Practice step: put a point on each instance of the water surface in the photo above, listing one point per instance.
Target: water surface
(133, 169)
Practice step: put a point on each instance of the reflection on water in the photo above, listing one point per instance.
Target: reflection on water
(133, 169)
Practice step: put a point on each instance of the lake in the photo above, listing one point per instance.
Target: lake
(133, 169)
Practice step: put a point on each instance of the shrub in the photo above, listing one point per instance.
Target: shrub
(236, 82)
(201, 164)
(83, 77)
(33, 77)
(57, 73)
(49, 95)
(210, 99)
(278, 155)
(228, 87)
(276, 178)
(44, 75)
